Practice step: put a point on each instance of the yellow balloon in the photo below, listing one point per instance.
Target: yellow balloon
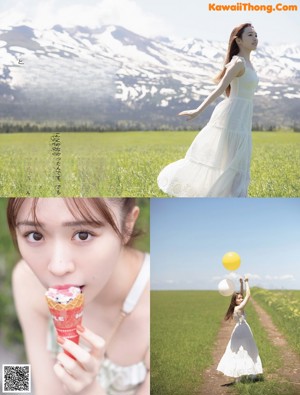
(231, 261)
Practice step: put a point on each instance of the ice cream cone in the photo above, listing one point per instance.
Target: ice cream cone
(66, 315)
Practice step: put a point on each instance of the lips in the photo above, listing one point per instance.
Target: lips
(66, 286)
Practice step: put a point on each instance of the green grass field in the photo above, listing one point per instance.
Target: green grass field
(284, 308)
(127, 163)
(271, 361)
(184, 325)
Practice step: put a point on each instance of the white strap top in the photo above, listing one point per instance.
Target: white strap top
(239, 316)
(133, 296)
(243, 87)
(138, 287)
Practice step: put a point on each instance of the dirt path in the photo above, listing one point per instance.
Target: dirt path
(218, 384)
(290, 369)
(215, 382)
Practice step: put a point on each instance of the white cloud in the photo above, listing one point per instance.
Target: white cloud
(282, 277)
(253, 276)
(126, 13)
(231, 276)
(129, 14)
(234, 276)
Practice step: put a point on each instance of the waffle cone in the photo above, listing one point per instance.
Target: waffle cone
(73, 304)
(66, 317)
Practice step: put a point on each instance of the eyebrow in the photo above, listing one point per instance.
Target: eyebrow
(66, 224)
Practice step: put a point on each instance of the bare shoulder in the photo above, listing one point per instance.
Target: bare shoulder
(28, 291)
(236, 66)
(237, 310)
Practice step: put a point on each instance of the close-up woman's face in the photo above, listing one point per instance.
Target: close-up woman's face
(238, 299)
(66, 249)
(249, 38)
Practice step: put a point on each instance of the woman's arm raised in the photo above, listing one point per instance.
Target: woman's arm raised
(247, 297)
(236, 70)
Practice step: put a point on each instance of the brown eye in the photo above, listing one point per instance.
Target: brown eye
(83, 235)
(34, 236)
(37, 236)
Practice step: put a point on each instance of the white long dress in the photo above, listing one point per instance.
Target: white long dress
(217, 164)
(241, 357)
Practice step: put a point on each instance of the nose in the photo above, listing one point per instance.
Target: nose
(61, 262)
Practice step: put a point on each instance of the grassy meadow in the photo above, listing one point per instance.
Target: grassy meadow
(184, 326)
(284, 308)
(271, 362)
(127, 163)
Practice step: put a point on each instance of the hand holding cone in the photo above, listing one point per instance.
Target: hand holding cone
(66, 308)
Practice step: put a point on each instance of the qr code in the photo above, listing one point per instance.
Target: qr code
(16, 378)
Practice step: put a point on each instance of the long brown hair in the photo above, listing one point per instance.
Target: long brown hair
(232, 305)
(82, 207)
(232, 50)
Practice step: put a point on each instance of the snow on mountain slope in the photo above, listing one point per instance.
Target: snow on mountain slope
(110, 74)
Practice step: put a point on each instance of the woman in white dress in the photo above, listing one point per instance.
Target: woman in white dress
(217, 164)
(241, 357)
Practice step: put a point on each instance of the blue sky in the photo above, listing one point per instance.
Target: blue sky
(189, 18)
(190, 236)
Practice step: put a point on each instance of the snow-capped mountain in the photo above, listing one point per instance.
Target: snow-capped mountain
(111, 76)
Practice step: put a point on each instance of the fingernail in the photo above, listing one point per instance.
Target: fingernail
(80, 328)
(60, 340)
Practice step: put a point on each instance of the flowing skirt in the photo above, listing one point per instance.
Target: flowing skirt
(217, 164)
(241, 356)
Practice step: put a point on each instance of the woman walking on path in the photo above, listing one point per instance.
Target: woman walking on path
(241, 356)
(217, 164)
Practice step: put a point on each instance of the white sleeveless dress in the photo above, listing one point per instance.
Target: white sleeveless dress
(241, 357)
(115, 379)
(217, 164)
